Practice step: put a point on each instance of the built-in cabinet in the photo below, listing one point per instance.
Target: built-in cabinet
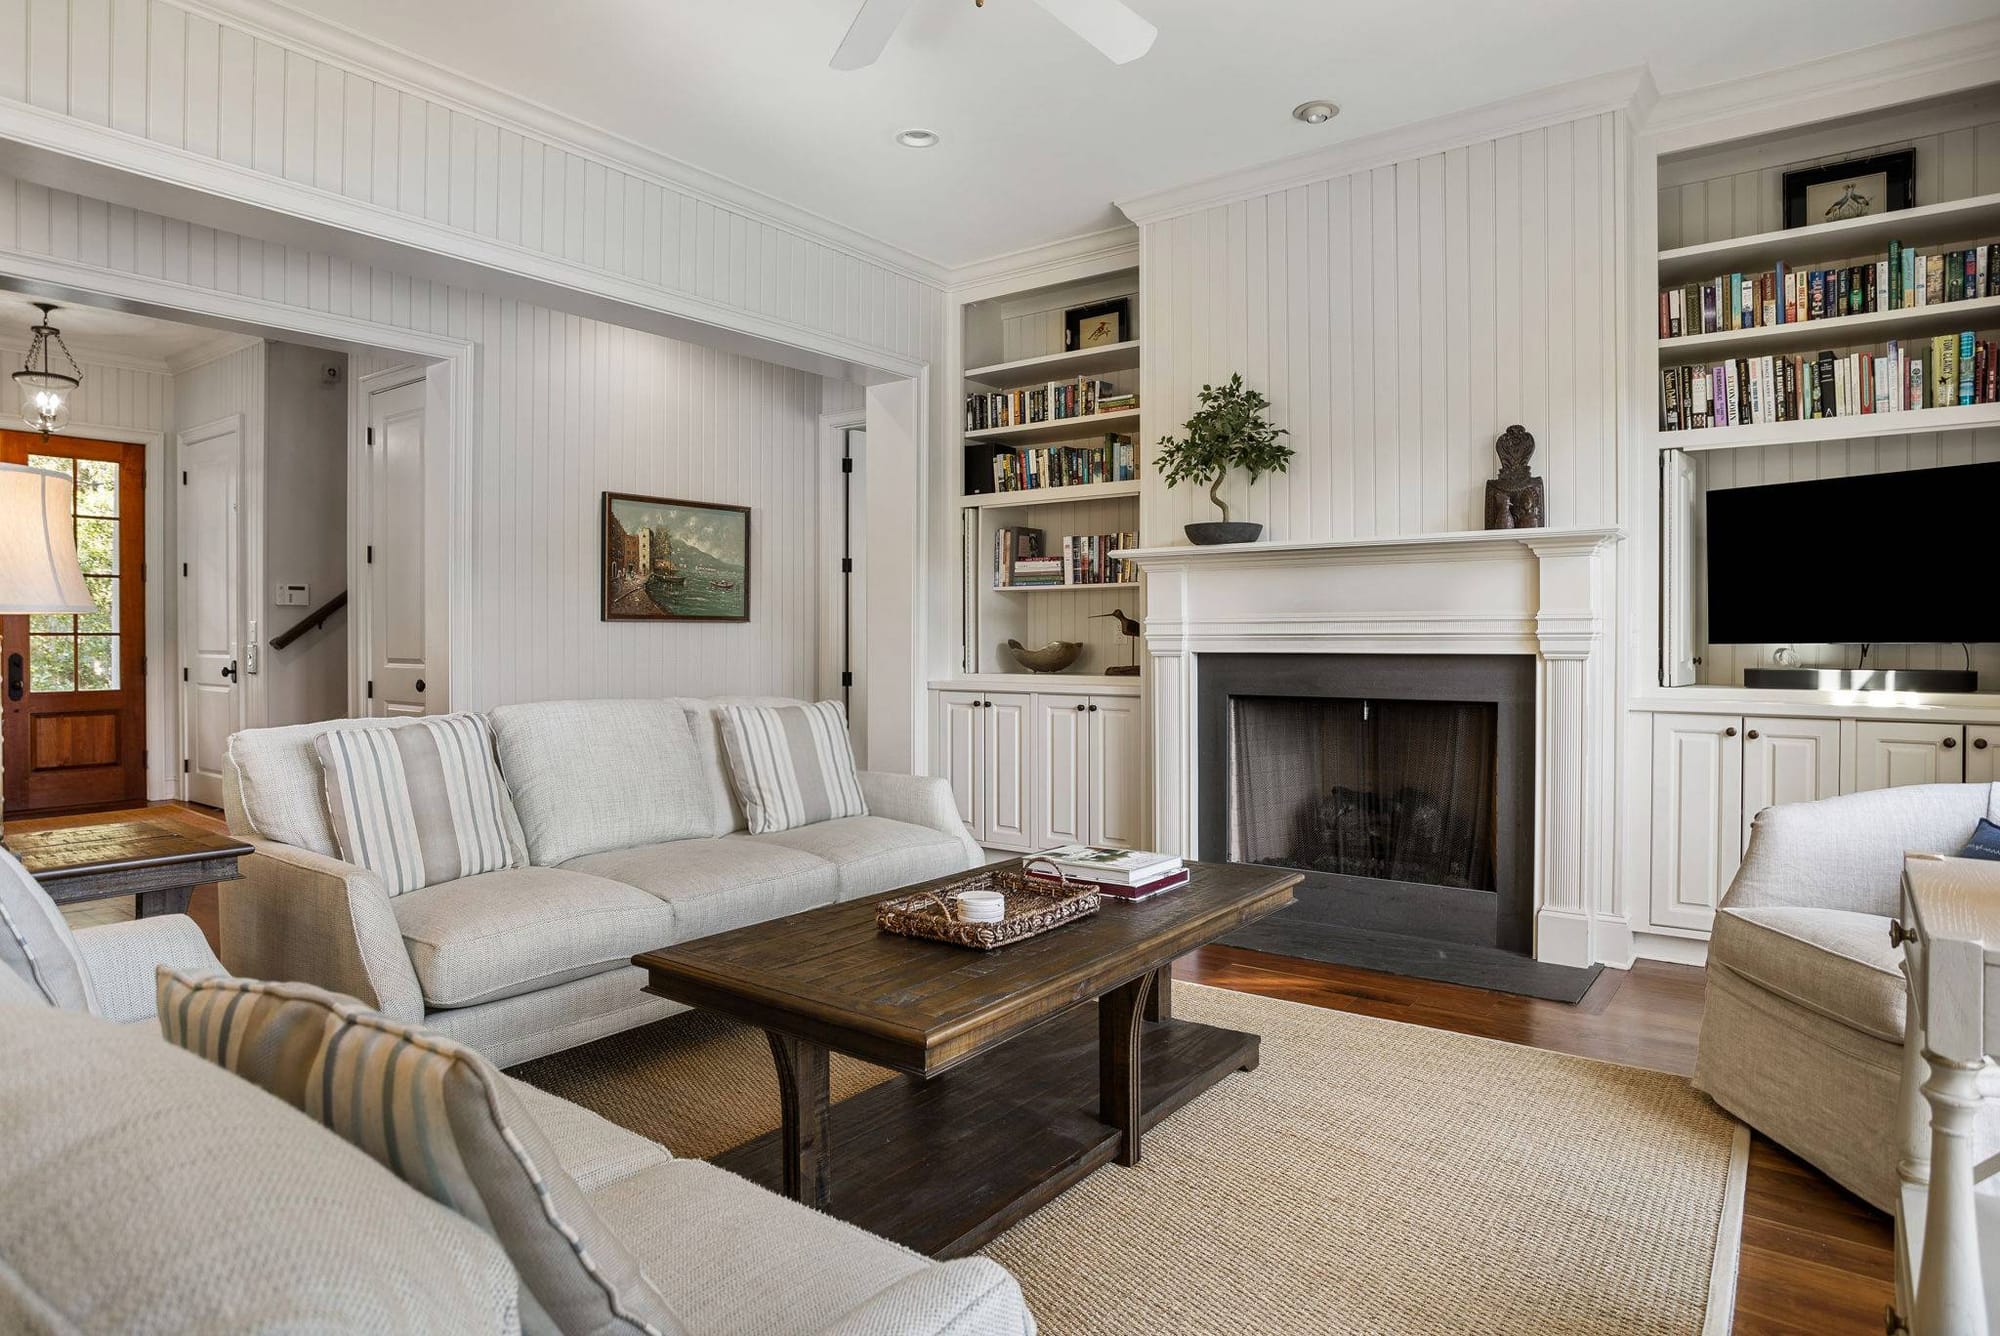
(1031, 770)
(1712, 774)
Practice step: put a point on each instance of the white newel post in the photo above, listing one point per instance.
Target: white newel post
(1540, 592)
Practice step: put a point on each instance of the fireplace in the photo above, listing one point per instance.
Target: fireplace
(1401, 786)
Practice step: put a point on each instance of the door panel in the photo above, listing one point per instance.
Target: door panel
(77, 736)
(1009, 771)
(1893, 754)
(961, 749)
(1982, 753)
(398, 520)
(1062, 730)
(211, 583)
(1116, 800)
(1697, 815)
(1788, 761)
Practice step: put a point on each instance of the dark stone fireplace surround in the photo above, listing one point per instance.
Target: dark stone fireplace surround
(1507, 681)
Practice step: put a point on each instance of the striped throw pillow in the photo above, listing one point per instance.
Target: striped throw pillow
(417, 805)
(439, 1117)
(791, 764)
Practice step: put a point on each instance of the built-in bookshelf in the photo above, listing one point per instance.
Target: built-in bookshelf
(1035, 456)
(1906, 340)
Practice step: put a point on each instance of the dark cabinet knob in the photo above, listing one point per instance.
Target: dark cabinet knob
(420, 684)
(1979, 744)
(1898, 934)
(1950, 743)
(1079, 707)
(1729, 732)
(1093, 709)
(1751, 735)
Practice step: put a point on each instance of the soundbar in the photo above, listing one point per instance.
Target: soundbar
(1863, 679)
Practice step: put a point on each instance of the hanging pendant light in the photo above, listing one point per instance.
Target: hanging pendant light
(44, 390)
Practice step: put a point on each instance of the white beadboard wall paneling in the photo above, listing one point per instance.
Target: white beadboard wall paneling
(1738, 190)
(262, 110)
(1723, 665)
(565, 408)
(1399, 319)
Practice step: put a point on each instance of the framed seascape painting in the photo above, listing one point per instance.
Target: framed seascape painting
(675, 561)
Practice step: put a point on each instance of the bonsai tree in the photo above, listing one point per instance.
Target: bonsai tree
(1228, 431)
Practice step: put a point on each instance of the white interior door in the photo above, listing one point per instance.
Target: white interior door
(400, 675)
(211, 461)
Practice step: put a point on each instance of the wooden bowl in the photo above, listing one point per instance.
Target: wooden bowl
(1050, 658)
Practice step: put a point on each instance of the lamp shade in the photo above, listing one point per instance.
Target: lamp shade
(38, 568)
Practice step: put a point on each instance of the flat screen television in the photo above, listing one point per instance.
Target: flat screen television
(1883, 558)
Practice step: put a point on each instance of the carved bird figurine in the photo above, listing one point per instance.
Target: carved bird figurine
(1129, 625)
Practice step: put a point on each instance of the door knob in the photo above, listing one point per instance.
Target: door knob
(1950, 743)
(15, 684)
(230, 671)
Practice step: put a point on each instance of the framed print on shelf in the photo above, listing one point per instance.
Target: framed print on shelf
(1096, 325)
(1856, 188)
(667, 560)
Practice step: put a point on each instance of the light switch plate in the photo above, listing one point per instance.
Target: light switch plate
(294, 596)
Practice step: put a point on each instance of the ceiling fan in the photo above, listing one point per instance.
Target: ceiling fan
(1108, 25)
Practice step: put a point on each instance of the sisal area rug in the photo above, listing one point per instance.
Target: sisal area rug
(1368, 1177)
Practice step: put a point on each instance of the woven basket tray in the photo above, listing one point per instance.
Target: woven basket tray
(1031, 908)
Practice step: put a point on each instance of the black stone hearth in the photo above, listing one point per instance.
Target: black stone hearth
(1402, 787)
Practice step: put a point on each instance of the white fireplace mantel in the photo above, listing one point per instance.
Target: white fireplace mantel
(1540, 592)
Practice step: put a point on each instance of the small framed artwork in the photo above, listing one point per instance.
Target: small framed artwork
(667, 560)
(1857, 188)
(1094, 326)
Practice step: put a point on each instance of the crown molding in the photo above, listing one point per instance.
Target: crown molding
(225, 343)
(1064, 261)
(1908, 69)
(391, 66)
(1628, 90)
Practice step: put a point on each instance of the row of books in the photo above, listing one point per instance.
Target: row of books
(1054, 402)
(1117, 460)
(1950, 370)
(1902, 280)
(1022, 559)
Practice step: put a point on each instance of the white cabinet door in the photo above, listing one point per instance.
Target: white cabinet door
(1062, 788)
(1116, 800)
(1788, 761)
(1982, 753)
(1009, 771)
(1892, 754)
(1697, 815)
(961, 750)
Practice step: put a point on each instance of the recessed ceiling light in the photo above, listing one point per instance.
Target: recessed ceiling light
(1315, 113)
(918, 138)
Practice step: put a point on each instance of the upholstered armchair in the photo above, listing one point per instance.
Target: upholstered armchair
(1803, 1029)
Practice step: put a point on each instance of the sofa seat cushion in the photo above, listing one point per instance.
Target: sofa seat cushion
(481, 938)
(716, 885)
(874, 854)
(1835, 962)
(593, 1150)
(691, 1225)
(148, 1190)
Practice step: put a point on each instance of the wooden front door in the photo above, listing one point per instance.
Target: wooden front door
(75, 693)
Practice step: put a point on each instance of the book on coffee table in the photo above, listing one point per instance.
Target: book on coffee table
(1130, 869)
(1121, 891)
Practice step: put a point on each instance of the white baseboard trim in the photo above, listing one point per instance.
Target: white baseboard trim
(1562, 937)
(1675, 950)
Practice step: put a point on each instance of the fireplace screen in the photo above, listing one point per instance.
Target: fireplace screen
(1398, 790)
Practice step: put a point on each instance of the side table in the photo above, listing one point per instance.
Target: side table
(158, 861)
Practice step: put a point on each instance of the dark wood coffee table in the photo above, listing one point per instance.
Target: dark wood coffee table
(1033, 1064)
(159, 861)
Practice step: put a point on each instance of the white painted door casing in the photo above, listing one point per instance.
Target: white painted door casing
(1788, 761)
(211, 600)
(1117, 789)
(1009, 771)
(1697, 816)
(1892, 753)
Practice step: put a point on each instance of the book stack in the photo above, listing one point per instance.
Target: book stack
(1901, 280)
(1053, 402)
(1944, 372)
(1127, 874)
(1090, 559)
(1018, 559)
(1117, 403)
(1117, 460)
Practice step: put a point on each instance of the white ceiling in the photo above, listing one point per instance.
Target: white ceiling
(1040, 133)
(101, 331)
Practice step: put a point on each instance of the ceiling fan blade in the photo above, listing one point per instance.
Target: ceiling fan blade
(1108, 25)
(869, 33)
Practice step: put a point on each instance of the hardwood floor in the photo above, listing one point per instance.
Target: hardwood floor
(1816, 1260)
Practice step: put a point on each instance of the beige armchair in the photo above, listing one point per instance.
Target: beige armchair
(1802, 1033)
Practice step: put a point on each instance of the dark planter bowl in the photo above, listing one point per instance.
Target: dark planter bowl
(1223, 531)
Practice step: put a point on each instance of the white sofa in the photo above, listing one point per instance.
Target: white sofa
(536, 958)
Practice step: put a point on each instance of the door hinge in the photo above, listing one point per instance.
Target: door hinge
(142, 665)
(184, 674)
(185, 767)
(371, 436)
(371, 554)
(184, 570)
(847, 679)
(184, 477)
(847, 565)
(144, 572)
(847, 464)
(371, 691)
(145, 757)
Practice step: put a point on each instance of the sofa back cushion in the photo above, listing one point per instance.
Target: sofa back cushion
(419, 805)
(592, 775)
(792, 765)
(146, 1190)
(35, 942)
(437, 1114)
